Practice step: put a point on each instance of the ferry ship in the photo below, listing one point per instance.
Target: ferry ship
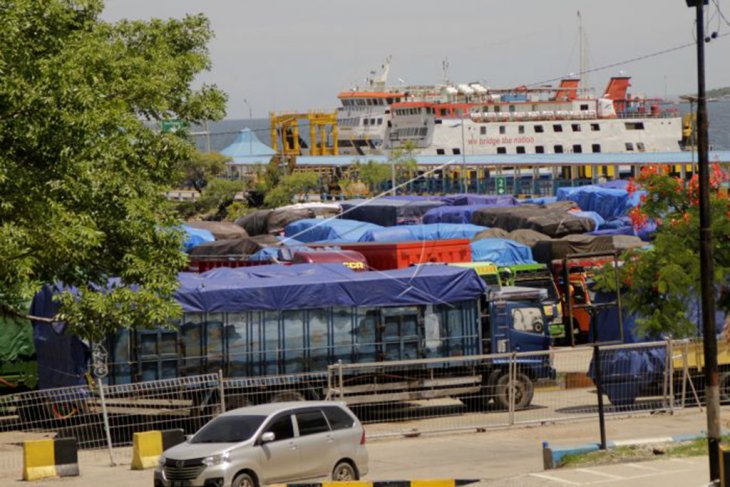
(473, 119)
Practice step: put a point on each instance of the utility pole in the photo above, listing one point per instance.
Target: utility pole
(712, 391)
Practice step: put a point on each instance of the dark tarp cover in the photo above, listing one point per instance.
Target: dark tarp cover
(524, 237)
(278, 219)
(501, 252)
(597, 219)
(220, 230)
(546, 251)
(62, 357)
(479, 199)
(254, 223)
(193, 237)
(552, 221)
(307, 286)
(236, 246)
(410, 233)
(388, 213)
(450, 214)
(331, 230)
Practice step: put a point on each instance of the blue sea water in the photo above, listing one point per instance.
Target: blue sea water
(223, 133)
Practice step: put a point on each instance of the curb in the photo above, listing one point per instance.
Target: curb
(551, 456)
(386, 483)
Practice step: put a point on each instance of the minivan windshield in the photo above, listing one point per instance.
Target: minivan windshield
(228, 429)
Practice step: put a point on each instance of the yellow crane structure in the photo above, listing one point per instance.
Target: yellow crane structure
(285, 133)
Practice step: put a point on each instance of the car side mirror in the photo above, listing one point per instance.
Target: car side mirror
(268, 437)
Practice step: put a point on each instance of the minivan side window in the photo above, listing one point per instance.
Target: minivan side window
(338, 418)
(282, 428)
(311, 422)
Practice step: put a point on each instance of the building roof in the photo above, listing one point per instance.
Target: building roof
(627, 158)
(248, 149)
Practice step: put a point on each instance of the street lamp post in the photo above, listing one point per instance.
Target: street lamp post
(709, 338)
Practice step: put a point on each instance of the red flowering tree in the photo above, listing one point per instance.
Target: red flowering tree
(664, 282)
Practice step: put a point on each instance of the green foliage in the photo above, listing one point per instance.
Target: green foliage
(218, 195)
(374, 174)
(661, 284)
(289, 186)
(200, 168)
(82, 176)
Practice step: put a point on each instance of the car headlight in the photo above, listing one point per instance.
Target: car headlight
(215, 459)
(161, 461)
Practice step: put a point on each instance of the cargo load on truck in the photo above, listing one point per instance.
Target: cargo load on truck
(335, 230)
(552, 221)
(410, 233)
(220, 230)
(501, 251)
(545, 251)
(388, 212)
(398, 255)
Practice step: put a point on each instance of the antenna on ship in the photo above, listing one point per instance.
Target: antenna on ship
(583, 68)
(379, 83)
(445, 70)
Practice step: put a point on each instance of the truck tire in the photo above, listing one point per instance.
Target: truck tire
(524, 390)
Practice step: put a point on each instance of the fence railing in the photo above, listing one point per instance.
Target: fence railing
(392, 398)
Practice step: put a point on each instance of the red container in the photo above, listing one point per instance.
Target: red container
(202, 265)
(398, 255)
(349, 258)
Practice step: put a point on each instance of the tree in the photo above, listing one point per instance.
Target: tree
(83, 172)
(197, 170)
(298, 183)
(664, 282)
(374, 174)
(218, 195)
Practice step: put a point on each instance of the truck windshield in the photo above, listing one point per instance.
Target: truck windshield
(546, 284)
(228, 429)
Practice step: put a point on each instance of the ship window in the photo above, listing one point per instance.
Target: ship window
(596, 147)
(502, 129)
(640, 146)
(369, 101)
(520, 149)
(584, 107)
(511, 108)
(501, 150)
(577, 149)
(539, 129)
(380, 121)
(456, 151)
(575, 127)
(595, 127)
(440, 152)
(483, 130)
(366, 121)
(390, 101)
(520, 129)
(629, 146)
(557, 127)
(539, 149)
(558, 149)
(634, 125)
(497, 109)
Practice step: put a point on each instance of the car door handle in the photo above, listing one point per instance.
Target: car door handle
(292, 446)
(330, 439)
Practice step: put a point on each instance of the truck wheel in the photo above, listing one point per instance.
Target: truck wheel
(476, 403)
(523, 388)
(724, 383)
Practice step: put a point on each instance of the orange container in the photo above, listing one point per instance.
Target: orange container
(397, 255)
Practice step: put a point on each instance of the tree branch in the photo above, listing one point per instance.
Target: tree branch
(7, 310)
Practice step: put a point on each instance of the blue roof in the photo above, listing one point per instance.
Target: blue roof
(308, 286)
(626, 158)
(248, 149)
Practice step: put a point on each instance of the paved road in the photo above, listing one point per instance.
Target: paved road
(496, 457)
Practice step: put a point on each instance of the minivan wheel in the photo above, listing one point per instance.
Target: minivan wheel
(344, 472)
(243, 480)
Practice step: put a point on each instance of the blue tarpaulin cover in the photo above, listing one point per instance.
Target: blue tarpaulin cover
(410, 233)
(334, 230)
(462, 199)
(306, 286)
(501, 252)
(606, 201)
(598, 219)
(195, 236)
(451, 214)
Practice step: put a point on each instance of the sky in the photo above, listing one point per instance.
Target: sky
(298, 54)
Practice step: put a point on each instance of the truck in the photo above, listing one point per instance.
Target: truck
(277, 331)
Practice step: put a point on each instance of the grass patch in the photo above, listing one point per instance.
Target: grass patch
(638, 453)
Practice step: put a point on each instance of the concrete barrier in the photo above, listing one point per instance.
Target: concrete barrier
(147, 446)
(58, 457)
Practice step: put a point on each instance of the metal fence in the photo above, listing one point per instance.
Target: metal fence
(392, 398)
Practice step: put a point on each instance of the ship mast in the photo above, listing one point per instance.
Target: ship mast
(583, 68)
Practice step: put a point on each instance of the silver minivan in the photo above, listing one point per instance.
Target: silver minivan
(270, 443)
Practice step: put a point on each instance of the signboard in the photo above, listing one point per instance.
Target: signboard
(500, 184)
(172, 126)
